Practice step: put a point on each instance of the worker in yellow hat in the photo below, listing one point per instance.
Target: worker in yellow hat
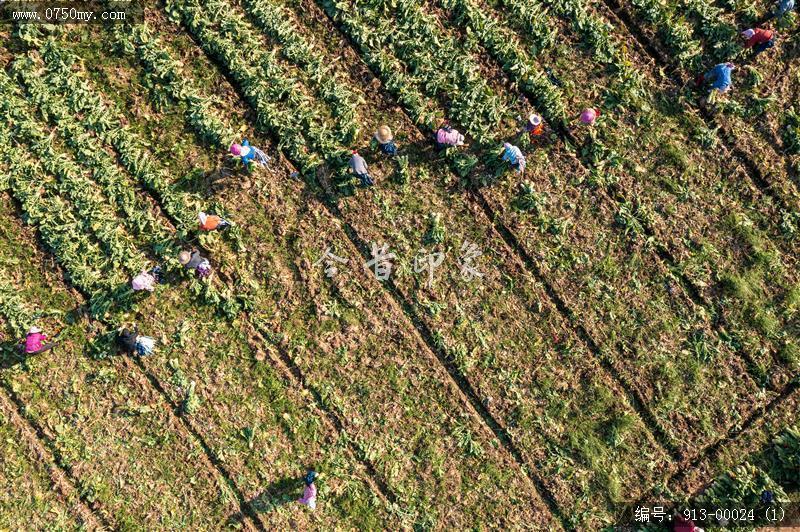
(386, 140)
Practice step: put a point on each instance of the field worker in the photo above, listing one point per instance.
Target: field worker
(447, 136)
(589, 116)
(195, 261)
(758, 39)
(514, 156)
(359, 167)
(212, 222)
(534, 125)
(34, 342)
(681, 524)
(249, 154)
(386, 140)
(784, 6)
(134, 343)
(309, 497)
(719, 77)
(144, 281)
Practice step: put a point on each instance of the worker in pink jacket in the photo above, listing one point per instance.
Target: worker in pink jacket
(34, 342)
(309, 497)
(447, 137)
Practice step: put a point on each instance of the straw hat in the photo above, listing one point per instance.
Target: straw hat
(34, 330)
(535, 119)
(184, 257)
(748, 34)
(384, 135)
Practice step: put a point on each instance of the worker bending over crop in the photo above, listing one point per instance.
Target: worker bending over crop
(134, 343)
(194, 261)
(589, 116)
(147, 279)
(681, 524)
(514, 156)
(534, 125)
(719, 77)
(386, 140)
(359, 167)
(784, 7)
(249, 154)
(212, 222)
(758, 39)
(446, 137)
(34, 342)
(309, 497)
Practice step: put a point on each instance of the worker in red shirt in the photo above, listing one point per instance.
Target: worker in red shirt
(758, 39)
(682, 524)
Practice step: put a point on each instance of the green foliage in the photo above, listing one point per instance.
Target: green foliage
(673, 29)
(163, 71)
(466, 441)
(742, 487)
(17, 316)
(191, 402)
(791, 130)
(436, 231)
(528, 199)
(402, 175)
(619, 428)
(701, 346)
(276, 22)
(504, 44)
(628, 219)
(95, 115)
(784, 460)
(461, 162)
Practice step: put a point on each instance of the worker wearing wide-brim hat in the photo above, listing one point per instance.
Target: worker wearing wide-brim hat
(195, 261)
(535, 125)
(386, 140)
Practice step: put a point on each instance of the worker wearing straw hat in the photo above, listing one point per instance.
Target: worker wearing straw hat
(195, 261)
(386, 140)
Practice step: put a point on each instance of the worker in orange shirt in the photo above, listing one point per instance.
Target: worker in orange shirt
(212, 222)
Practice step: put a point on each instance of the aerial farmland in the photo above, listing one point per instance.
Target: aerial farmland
(400, 265)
